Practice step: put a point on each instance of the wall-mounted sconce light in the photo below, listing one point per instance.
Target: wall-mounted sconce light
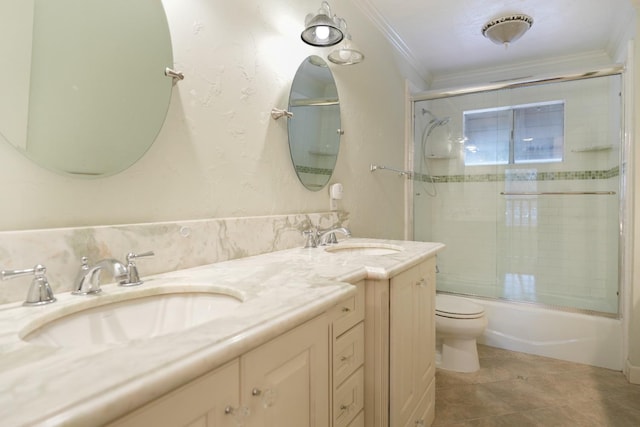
(345, 53)
(322, 29)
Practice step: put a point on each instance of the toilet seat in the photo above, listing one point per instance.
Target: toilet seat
(457, 308)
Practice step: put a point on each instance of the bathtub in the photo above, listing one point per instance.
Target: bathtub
(575, 337)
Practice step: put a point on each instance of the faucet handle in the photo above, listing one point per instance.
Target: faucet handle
(40, 292)
(133, 278)
(331, 239)
(312, 238)
(131, 255)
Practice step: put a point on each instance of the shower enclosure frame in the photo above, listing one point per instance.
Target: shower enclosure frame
(624, 204)
(625, 207)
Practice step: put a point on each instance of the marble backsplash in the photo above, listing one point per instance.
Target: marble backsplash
(177, 245)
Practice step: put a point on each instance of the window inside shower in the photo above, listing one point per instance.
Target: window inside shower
(516, 134)
(535, 216)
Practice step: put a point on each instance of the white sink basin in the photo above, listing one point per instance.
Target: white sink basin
(364, 249)
(133, 319)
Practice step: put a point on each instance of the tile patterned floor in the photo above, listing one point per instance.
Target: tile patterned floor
(521, 390)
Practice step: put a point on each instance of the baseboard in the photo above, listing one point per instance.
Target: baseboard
(632, 373)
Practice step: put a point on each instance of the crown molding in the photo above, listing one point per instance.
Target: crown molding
(612, 53)
(622, 33)
(372, 13)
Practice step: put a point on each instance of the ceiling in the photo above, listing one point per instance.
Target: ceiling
(443, 37)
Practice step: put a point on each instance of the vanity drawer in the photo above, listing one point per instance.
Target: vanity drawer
(349, 312)
(348, 399)
(348, 353)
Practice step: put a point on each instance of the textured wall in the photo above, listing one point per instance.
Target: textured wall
(219, 153)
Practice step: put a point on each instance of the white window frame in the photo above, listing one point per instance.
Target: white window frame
(512, 143)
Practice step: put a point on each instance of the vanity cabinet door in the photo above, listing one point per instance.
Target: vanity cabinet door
(200, 403)
(411, 340)
(285, 382)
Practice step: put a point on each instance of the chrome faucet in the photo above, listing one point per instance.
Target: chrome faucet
(88, 280)
(40, 292)
(317, 237)
(328, 237)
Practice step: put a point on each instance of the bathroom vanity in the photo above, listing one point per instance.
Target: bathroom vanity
(294, 365)
(400, 343)
(286, 381)
(337, 336)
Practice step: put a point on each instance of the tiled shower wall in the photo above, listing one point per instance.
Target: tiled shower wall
(557, 250)
(554, 249)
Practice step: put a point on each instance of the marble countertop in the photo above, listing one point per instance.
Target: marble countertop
(91, 385)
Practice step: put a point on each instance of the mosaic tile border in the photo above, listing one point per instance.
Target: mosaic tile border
(522, 175)
(315, 171)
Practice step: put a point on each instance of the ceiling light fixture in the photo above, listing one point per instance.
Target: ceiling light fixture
(346, 53)
(322, 29)
(507, 29)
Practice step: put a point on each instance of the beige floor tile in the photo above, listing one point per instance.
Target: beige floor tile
(519, 390)
(609, 413)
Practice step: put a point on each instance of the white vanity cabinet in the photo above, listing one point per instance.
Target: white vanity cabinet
(347, 350)
(400, 348)
(280, 383)
(303, 348)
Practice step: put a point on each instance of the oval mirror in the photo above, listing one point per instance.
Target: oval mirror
(314, 129)
(83, 86)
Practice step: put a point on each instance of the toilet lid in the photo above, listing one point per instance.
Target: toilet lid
(460, 308)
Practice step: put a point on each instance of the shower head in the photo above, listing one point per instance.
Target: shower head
(442, 121)
(436, 121)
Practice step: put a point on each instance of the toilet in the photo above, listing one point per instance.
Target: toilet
(459, 322)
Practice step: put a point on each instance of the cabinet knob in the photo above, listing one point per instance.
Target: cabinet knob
(346, 309)
(239, 414)
(268, 396)
(242, 410)
(346, 408)
(420, 423)
(422, 283)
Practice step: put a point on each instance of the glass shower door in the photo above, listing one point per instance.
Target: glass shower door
(522, 185)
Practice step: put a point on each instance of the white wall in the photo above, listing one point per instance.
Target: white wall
(633, 362)
(14, 102)
(219, 153)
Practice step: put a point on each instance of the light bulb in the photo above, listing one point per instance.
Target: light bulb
(322, 32)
